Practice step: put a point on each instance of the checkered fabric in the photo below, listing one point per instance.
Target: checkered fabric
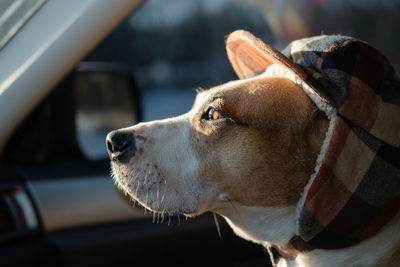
(355, 190)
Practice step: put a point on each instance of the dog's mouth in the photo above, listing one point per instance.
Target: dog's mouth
(159, 167)
(144, 185)
(147, 186)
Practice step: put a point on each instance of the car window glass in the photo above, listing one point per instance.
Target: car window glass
(172, 48)
(177, 46)
(104, 102)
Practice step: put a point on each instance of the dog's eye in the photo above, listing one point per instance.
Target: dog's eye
(213, 115)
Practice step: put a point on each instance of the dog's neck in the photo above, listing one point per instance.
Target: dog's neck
(265, 226)
(276, 226)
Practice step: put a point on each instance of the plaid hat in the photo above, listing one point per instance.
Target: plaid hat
(355, 189)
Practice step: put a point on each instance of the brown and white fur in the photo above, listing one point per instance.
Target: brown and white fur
(250, 166)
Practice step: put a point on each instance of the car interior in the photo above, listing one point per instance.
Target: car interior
(58, 202)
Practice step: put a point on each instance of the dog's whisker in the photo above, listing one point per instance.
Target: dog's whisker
(217, 224)
(158, 194)
(137, 187)
(146, 176)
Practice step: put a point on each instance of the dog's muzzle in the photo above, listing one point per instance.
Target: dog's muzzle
(121, 145)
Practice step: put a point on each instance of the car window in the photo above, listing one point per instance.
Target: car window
(13, 15)
(174, 47)
(106, 98)
(168, 53)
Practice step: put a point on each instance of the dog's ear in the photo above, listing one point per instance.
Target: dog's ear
(316, 131)
(249, 55)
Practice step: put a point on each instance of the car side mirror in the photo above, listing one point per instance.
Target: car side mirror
(73, 120)
(106, 98)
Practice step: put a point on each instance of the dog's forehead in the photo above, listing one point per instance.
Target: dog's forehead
(228, 91)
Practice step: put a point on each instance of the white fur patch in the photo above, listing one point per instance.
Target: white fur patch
(262, 225)
(154, 178)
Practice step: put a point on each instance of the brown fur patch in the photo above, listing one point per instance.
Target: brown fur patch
(264, 152)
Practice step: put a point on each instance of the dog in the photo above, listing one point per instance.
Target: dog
(300, 155)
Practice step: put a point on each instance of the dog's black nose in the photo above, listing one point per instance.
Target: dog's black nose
(121, 145)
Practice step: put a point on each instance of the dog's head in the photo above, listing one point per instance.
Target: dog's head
(251, 142)
(256, 143)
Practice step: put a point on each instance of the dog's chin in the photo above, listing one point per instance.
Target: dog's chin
(150, 190)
